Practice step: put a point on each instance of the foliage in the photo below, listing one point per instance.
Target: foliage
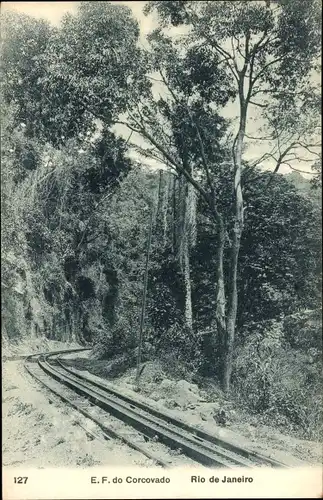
(181, 346)
(24, 41)
(72, 74)
(279, 256)
(280, 381)
(59, 206)
(76, 204)
(277, 219)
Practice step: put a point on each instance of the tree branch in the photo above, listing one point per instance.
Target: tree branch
(258, 104)
(258, 75)
(227, 56)
(253, 53)
(298, 170)
(259, 138)
(308, 146)
(179, 168)
(206, 168)
(200, 140)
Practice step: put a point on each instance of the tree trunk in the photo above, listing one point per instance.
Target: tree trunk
(174, 207)
(220, 311)
(237, 232)
(233, 305)
(185, 238)
(164, 213)
(232, 316)
(144, 296)
(188, 290)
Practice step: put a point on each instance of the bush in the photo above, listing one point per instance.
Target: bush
(280, 383)
(304, 330)
(180, 346)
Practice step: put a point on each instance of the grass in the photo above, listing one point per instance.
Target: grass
(21, 408)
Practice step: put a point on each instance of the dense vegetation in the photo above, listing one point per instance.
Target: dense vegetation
(235, 249)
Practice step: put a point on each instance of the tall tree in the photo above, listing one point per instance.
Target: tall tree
(23, 44)
(74, 76)
(255, 48)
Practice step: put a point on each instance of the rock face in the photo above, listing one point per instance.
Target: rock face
(25, 311)
(45, 301)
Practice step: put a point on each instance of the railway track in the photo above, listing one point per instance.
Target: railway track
(86, 395)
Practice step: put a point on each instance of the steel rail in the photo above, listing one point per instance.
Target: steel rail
(229, 458)
(200, 446)
(106, 431)
(155, 424)
(175, 439)
(195, 431)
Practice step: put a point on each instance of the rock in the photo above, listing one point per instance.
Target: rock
(171, 403)
(155, 396)
(221, 417)
(233, 415)
(186, 386)
(166, 384)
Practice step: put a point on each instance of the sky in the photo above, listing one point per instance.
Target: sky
(54, 11)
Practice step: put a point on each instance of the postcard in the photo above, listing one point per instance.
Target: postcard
(161, 249)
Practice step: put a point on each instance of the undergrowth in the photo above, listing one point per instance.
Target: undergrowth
(275, 381)
(279, 382)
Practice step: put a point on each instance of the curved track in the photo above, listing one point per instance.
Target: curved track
(154, 425)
